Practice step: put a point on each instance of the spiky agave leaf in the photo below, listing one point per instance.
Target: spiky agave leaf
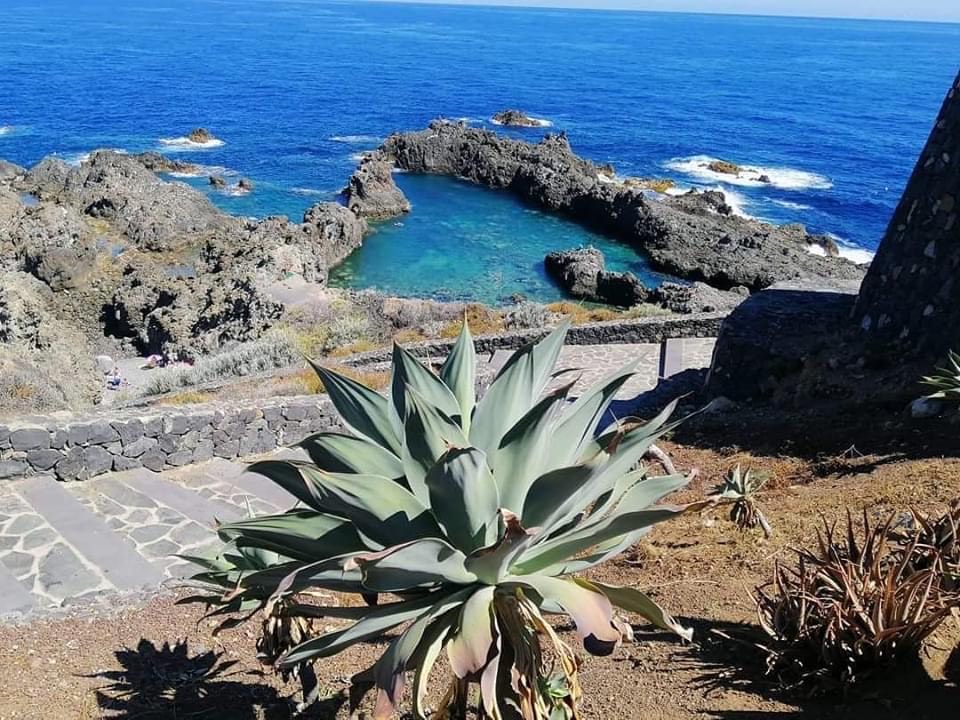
(946, 381)
(471, 516)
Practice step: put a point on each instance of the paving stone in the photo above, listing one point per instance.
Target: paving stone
(88, 534)
(191, 534)
(63, 574)
(19, 563)
(24, 524)
(7, 542)
(30, 439)
(160, 549)
(149, 533)
(14, 595)
(122, 494)
(38, 538)
(139, 516)
(184, 501)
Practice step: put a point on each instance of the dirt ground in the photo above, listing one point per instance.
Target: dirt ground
(700, 567)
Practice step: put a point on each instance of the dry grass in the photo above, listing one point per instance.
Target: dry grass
(306, 382)
(482, 320)
(581, 314)
(189, 397)
(408, 336)
(354, 348)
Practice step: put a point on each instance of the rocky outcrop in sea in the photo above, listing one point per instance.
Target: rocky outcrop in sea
(694, 236)
(583, 274)
(372, 193)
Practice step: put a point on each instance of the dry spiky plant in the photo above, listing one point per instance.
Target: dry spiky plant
(856, 603)
(741, 489)
(938, 542)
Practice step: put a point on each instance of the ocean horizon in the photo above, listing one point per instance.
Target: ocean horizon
(831, 112)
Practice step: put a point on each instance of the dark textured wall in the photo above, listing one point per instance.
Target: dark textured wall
(911, 295)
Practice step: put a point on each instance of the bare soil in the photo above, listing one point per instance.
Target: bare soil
(115, 665)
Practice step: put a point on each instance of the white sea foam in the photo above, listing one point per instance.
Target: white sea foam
(309, 192)
(852, 252)
(185, 143)
(815, 249)
(799, 207)
(79, 158)
(537, 122)
(359, 156)
(750, 175)
(6, 130)
(204, 171)
(737, 202)
(235, 191)
(356, 139)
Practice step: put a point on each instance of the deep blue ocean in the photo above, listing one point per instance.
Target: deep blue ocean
(835, 112)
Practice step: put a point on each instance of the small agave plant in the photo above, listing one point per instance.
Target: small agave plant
(740, 490)
(946, 381)
(461, 524)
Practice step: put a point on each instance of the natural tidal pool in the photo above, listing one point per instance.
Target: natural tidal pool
(464, 242)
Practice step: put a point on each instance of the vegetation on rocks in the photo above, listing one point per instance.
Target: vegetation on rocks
(460, 521)
(946, 381)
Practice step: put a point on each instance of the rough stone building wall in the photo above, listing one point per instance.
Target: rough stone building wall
(911, 295)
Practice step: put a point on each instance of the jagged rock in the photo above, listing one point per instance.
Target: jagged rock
(697, 297)
(201, 136)
(516, 118)
(583, 274)
(725, 167)
(372, 192)
(217, 181)
(245, 184)
(695, 237)
(159, 163)
(576, 270)
(9, 171)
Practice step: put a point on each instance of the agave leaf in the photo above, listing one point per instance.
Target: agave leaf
(390, 670)
(428, 435)
(574, 433)
(300, 535)
(570, 544)
(426, 656)
(597, 556)
(408, 372)
(632, 600)
(381, 509)
(555, 490)
(523, 452)
(469, 650)
(463, 498)
(490, 695)
(377, 622)
(417, 564)
(517, 385)
(339, 453)
(459, 374)
(491, 563)
(590, 609)
(366, 412)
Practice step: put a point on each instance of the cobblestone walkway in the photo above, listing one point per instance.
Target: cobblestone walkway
(65, 544)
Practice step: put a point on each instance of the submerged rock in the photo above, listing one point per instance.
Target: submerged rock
(695, 236)
(217, 181)
(372, 192)
(201, 136)
(245, 184)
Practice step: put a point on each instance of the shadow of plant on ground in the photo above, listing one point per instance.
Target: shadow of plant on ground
(169, 682)
(728, 657)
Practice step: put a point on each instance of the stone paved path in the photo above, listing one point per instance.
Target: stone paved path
(66, 544)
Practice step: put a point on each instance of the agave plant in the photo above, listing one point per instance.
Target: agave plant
(946, 381)
(460, 522)
(740, 489)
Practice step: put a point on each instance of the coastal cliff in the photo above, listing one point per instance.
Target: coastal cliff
(694, 236)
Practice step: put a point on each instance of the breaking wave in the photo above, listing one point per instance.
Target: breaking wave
(537, 122)
(356, 139)
(698, 166)
(185, 143)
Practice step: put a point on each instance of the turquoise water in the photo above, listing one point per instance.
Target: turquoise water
(834, 111)
(466, 242)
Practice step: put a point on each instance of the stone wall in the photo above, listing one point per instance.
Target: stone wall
(911, 296)
(638, 331)
(76, 447)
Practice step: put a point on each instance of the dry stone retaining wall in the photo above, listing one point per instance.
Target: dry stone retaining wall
(77, 447)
